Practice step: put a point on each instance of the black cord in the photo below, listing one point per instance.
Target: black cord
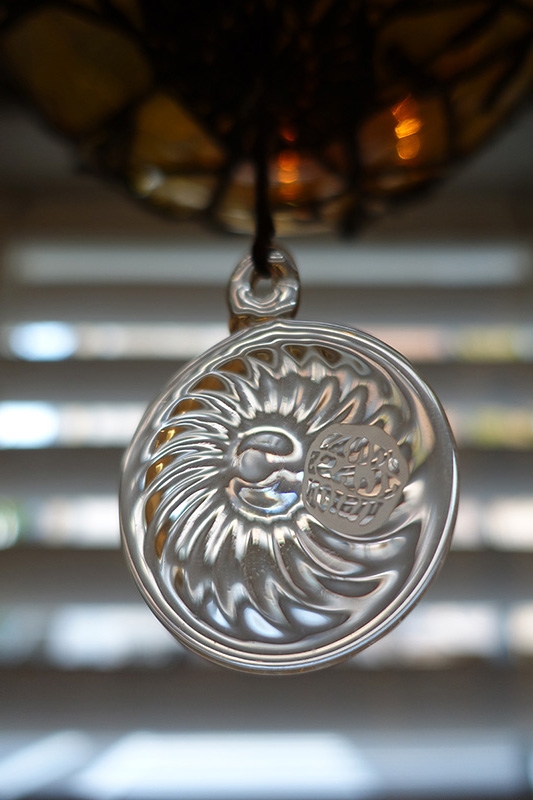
(264, 224)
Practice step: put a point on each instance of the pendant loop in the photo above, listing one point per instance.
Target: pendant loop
(247, 307)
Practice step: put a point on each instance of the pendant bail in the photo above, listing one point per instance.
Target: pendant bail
(247, 306)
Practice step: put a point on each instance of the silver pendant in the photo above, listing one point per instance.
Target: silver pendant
(290, 494)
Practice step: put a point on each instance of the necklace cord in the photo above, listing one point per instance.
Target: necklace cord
(264, 224)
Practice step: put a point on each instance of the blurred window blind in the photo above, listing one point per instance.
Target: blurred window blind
(94, 691)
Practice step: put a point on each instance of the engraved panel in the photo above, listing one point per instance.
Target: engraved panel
(353, 478)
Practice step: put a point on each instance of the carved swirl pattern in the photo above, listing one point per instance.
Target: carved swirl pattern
(227, 535)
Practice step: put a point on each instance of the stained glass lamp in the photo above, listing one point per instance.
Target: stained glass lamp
(346, 105)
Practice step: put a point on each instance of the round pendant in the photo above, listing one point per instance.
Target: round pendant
(289, 496)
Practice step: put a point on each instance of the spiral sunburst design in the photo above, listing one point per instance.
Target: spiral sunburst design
(215, 514)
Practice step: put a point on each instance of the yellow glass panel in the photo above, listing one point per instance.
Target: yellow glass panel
(420, 36)
(78, 72)
(181, 195)
(168, 137)
(505, 31)
(478, 110)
